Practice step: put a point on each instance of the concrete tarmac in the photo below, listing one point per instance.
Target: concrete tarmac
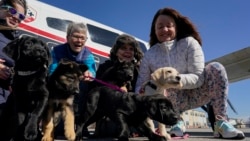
(194, 135)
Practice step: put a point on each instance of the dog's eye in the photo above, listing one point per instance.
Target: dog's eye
(70, 78)
(163, 106)
(169, 71)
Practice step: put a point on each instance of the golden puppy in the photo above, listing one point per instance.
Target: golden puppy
(161, 79)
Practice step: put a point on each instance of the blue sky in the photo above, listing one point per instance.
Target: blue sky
(224, 26)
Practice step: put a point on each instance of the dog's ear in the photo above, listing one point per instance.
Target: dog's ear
(12, 49)
(117, 64)
(150, 105)
(48, 50)
(157, 76)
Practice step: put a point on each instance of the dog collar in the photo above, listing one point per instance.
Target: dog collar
(25, 73)
(152, 85)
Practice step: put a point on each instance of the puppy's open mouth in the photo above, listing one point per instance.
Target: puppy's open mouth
(174, 82)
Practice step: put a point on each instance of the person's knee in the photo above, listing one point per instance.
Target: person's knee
(216, 65)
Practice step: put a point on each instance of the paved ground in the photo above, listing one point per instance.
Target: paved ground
(195, 135)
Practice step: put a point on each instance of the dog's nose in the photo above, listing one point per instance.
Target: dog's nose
(76, 91)
(175, 118)
(178, 78)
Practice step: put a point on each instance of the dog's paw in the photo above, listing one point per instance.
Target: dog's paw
(79, 138)
(167, 136)
(47, 138)
(70, 135)
(78, 133)
(30, 132)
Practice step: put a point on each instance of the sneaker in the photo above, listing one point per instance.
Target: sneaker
(178, 129)
(223, 129)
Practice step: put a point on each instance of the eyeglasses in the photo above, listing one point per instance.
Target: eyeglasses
(82, 38)
(14, 12)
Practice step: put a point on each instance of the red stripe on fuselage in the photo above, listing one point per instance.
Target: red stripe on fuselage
(56, 38)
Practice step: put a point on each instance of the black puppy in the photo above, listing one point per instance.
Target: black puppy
(63, 84)
(29, 92)
(125, 109)
(120, 74)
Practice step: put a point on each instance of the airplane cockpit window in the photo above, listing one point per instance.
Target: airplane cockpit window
(58, 24)
(101, 36)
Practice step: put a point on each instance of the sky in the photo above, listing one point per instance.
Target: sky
(224, 26)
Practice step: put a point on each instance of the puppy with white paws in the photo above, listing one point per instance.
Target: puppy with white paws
(162, 79)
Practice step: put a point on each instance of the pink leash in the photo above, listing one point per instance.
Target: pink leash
(185, 136)
(114, 87)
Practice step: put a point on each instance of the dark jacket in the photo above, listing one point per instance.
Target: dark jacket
(6, 36)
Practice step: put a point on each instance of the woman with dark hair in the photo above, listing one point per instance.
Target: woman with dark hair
(12, 13)
(175, 42)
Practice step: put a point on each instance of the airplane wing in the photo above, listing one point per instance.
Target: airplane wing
(237, 64)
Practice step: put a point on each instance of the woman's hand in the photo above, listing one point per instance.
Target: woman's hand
(142, 91)
(4, 70)
(87, 76)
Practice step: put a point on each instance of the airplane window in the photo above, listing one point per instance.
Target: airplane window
(51, 44)
(101, 36)
(58, 24)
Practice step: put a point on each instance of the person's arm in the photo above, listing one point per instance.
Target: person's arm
(90, 62)
(195, 61)
(54, 63)
(4, 70)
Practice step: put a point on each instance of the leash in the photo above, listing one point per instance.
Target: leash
(114, 87)
(152, 85)
(185, 136)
